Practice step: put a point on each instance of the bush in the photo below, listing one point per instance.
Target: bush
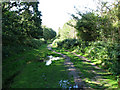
(107, 52)
(68, 43)
(15, 48)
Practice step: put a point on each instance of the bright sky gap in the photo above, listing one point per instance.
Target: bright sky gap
(56, 12)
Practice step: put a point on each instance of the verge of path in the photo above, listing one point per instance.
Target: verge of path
(79, 83)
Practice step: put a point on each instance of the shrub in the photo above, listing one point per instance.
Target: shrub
(15, 48)
(68, 43)
(107, 52)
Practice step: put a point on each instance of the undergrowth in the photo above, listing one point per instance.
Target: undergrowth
(105, 54)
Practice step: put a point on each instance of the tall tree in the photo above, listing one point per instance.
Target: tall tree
(48, 33)
(68, 30)
(22, 22)
(87, 26)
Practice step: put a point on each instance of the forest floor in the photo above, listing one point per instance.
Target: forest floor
(28, 70)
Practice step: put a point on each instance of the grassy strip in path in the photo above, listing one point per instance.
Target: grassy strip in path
(27, 71)
(108, 82)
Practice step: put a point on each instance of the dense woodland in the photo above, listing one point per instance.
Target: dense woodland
(93, 34)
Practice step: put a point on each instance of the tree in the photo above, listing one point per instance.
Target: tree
(21, 23)
(87, 26)
(111, 11)
(68, 31)
(48, 33)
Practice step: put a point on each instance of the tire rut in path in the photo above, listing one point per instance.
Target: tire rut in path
(72, 70)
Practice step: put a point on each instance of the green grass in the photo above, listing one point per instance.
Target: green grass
(27, 71)
(37, 75)
(109, 81)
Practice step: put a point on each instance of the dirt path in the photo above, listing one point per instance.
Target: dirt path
(72, 70)
(97, 77)
(78, 75)
(84, 59)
